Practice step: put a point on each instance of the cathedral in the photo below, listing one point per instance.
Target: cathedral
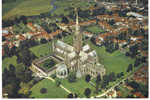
(77, 58)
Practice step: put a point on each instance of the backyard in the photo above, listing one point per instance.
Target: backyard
(94, 29)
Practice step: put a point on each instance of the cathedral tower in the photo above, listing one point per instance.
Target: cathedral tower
(77, 43)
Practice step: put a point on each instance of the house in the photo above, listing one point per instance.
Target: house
(112, 94)
(30, 26)
(138, 94)
(87, 34)
(138, 16)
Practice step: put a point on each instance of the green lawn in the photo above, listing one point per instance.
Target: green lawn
(42, 49)
(52, 90)
(27, 8)
(94, 29)
(7, 61)
(78, 87)
(115, 62)
(8, 6)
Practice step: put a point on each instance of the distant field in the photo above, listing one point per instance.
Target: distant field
(63, 6)
(52, 90)
(6, 7)
(7, 61)
(27, 8)
(115, 62)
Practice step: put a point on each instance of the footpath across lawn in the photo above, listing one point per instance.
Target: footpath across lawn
(52, 90)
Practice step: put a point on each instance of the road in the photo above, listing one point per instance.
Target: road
(110, 89)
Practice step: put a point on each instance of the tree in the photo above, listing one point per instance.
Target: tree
(65, 20)
(43, 41)
(25, 56)
(119, 75)
(137, 62)
(127, 54)
(13, 50)
(75, 95)
(22, 73)
(9, 89)
(24, 90)
(3, 38)
(112, 76)
(72, 77)
(87, 78)
(130, 67)
(98, 80)
(134, 50)
(70, 95)
(111, 22)
(6, 50)
(43, 90)
(116, 46)
(105, 81)
(87, 92)
(11, 67)
(58, 83)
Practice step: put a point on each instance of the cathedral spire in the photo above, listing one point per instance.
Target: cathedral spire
(77, 39)
(77, 22)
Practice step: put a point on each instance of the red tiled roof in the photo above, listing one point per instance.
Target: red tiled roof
(138, 94)
(21, 37)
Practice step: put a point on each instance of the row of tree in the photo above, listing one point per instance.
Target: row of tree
(14, 79)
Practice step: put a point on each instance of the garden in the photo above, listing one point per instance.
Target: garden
(47, 64)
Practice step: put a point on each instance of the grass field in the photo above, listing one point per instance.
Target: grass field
(94, 29)
(27, 8)
(8, 6)
(7, 61)
(115, 62)
(52, 90)
(78, 87)
(42, 49)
